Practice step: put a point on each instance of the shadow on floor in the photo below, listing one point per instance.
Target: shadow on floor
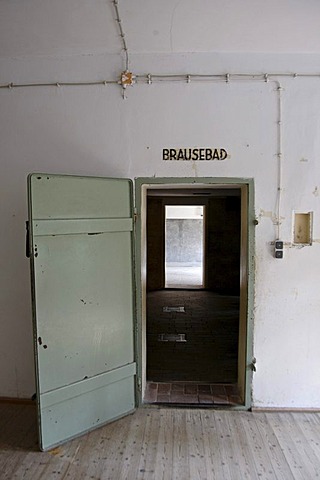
(18, 427)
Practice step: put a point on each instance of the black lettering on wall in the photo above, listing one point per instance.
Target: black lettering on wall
(165, 154)
(180, 155)
(208, 154)
(195, 154)
(187, 156)
(173, 154)
(223, 154)
(215, 155)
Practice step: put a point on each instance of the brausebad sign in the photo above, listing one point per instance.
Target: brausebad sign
(185, 154)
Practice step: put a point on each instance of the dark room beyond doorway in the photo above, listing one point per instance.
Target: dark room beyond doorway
(193, 328)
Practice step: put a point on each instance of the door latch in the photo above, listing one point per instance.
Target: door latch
(253, 364)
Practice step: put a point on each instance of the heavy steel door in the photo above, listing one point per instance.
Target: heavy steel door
(82, 288)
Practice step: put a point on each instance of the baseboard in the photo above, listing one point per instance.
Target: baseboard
(29, 401)
(285, 409)
(17, 401)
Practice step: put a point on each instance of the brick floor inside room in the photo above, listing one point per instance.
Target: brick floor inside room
(192, 394)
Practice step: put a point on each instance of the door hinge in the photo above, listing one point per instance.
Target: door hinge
(135, 214)
(139, 384)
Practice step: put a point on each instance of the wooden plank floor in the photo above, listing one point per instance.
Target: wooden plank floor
(168, 444)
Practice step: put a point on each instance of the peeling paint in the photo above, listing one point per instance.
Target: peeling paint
(269, 214)
(304, 159)
(316, 192)
(195, 169)
(265, 213)
(55, 451)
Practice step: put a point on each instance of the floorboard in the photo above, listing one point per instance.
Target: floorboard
(272, 446)
(168, 444)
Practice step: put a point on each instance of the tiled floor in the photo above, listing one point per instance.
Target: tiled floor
(192, 394)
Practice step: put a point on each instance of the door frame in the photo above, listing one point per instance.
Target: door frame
(142, 184)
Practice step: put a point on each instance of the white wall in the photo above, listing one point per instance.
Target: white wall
(93, 131)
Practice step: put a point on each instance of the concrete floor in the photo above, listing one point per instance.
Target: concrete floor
(184, 275)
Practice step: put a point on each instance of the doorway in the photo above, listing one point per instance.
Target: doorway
(81, 247)
(194, 340)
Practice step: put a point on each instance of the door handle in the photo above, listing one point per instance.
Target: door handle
(27, 240)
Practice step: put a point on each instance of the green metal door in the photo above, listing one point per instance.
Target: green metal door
(82, 288)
